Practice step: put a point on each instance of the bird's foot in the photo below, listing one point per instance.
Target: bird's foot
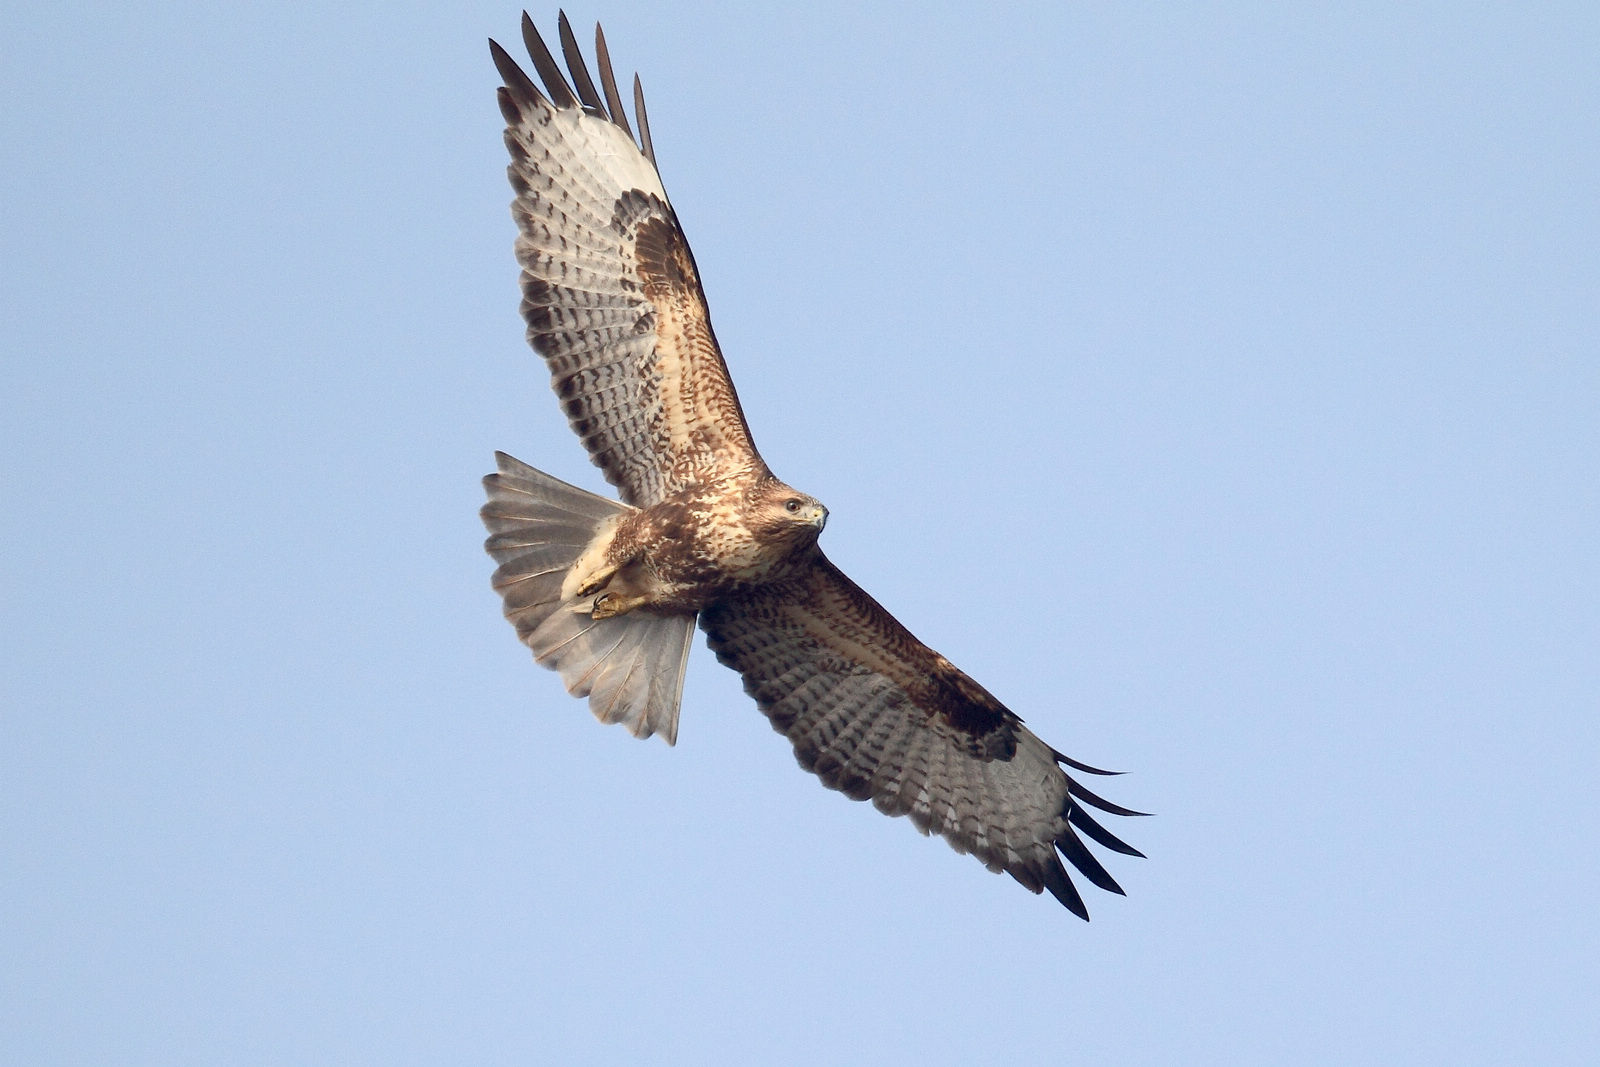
(592, 582)
(610, 605)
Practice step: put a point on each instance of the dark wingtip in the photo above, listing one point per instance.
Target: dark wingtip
(517, 82)
(1063, 758)
(1060, 885)
(1077, 790)
(579, 69)
(1080, 857)
(608, 81)
(1080, 818)
(644, 123)
(555, 82)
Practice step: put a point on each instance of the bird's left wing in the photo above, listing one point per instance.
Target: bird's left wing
(609, 288)
(878, 715)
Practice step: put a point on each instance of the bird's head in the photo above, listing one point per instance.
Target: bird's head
(783, 514)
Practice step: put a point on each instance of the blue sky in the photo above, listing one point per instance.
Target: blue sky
(1217, 384)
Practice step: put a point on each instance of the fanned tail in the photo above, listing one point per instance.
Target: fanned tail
(629, 666)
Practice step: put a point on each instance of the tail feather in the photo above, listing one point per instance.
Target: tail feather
(631, 666)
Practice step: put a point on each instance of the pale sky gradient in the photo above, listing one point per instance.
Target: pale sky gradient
(1218, 384)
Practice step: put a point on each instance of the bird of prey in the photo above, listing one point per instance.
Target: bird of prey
(608, 593)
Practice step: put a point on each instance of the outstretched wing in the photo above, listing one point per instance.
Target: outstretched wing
(878, 715)
(609, 287)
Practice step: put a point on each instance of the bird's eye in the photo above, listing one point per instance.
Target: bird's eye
(793, 505)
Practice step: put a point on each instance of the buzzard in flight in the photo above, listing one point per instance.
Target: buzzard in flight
(608, 593)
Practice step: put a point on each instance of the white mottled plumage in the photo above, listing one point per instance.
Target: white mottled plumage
(607, 150)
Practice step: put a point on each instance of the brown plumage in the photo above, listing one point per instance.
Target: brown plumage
(608, 593)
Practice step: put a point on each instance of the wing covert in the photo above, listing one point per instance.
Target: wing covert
(610, 290)
(878, 715)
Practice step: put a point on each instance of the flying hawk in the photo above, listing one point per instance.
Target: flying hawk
(608, 593)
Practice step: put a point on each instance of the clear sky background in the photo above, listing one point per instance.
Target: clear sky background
(1217, 384)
